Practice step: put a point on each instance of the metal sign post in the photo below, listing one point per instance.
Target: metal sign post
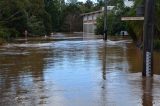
(105, 20)
(148, 38)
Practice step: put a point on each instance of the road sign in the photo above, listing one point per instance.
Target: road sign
(132, 18)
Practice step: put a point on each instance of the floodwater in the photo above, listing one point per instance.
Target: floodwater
(76, 73)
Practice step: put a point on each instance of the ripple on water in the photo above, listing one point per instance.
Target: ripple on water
(28, 45)
(75, 73)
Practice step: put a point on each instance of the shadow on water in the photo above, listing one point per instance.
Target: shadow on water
(76, 73)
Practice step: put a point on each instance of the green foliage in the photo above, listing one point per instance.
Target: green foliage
(13, 17)
(38, 18)
(36, 26)
(88, 6)
(1, 41)
(19, 15)
(157, 15)
(55, 9)
(8, 33)
(114, 23)
(4, 32)
(135, 27)
(157, 44)
(72, 19)
(99, 26)
(41, 17)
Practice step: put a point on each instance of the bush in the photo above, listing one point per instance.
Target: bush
(4, 32)
(100, 26)
(157, 44)
(8, 34)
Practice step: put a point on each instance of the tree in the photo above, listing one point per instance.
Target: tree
(114, 23)
(13, 16)
(73, 20)
(99, 4)
(55, 8)
(89, 6)
(100, 25)
(16, 16)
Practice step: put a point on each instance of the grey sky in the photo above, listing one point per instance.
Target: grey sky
(85, 0)
(127, 3)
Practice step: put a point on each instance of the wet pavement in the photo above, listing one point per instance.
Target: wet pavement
(76, 73)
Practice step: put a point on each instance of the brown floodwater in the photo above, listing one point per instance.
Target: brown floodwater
(76, 73)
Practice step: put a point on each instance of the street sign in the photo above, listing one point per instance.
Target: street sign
(132, 18)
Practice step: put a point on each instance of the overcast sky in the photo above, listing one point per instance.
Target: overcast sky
(85, 0)
(82, 0)
(127, 3)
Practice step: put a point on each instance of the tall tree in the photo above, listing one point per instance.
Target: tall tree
(73, 20)
(55, 8)
(89, 6)
(13, 16)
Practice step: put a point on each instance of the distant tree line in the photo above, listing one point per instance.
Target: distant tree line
(41, 17)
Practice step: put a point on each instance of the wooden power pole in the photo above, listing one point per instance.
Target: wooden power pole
(105, 20)
(148, 38)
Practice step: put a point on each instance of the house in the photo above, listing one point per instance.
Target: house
(89, 19)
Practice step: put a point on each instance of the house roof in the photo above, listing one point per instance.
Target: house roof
(99, 11)
(94, 12)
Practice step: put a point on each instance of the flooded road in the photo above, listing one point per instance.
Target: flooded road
(76, 73)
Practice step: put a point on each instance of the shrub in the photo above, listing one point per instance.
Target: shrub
(157, 44)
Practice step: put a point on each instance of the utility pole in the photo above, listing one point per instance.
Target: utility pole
(105, 20)
(148, 38)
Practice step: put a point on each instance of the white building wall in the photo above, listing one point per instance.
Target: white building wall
(94, 17)
(85, 18)
(89, 28)
(89, 17)
(89, 21)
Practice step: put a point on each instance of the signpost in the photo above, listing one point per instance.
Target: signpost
(132, 18)
(105, 20)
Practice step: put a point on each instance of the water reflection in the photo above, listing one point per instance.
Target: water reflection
(147, 87)
(104, 57)
(21, 81)
(104, 63)
(76, 73)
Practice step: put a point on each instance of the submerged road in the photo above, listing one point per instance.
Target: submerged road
(76, 73)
